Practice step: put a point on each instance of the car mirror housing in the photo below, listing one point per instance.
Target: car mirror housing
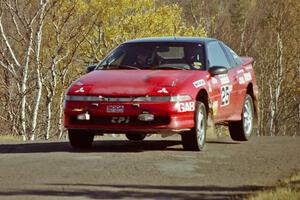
(90, 68)
(216, 70)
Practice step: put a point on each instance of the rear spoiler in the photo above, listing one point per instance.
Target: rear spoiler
(247, 60)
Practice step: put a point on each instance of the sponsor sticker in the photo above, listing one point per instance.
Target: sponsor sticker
(240, 71)
(241, 80)
(199, 83)
(224, 79)
(214, 80)
(120, 120)
(185, 107)
(248, 76)
(248, 67)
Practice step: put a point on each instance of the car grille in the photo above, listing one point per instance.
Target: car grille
(105, 120)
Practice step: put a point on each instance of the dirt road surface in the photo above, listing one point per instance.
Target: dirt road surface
(153, 169)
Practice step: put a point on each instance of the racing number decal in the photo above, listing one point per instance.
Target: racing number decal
(225, 94)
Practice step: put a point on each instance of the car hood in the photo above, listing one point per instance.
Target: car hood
(130, 82)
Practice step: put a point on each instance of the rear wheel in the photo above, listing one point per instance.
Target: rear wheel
(194, 140)
(80, 138)
(243, 129)
(136, 136)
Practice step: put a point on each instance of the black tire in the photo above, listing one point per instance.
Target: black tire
(136, 136)
(243, 129)
(194, 140)
(80, 139)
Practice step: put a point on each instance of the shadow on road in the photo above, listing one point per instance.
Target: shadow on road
(99, 146)
(91, 191)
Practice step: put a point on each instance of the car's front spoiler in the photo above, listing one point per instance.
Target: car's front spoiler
(123, 131)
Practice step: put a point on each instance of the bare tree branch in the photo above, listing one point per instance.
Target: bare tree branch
(7, 43)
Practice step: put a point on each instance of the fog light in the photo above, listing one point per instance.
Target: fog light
(146, 117)
(85, 116)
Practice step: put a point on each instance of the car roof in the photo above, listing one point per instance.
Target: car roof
(202, 40)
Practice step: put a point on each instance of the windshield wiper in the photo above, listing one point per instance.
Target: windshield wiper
(112, 66)
(128, 66)
(169, 67)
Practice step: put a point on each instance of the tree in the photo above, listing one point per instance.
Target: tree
(44, 45)
(132, 19)
(22, 49)
(269, 31)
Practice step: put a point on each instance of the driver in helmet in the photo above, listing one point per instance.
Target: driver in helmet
(143, 59)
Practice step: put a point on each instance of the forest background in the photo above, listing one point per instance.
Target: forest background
(46, 44)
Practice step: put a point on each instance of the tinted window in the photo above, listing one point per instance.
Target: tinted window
(216, 55)
(172, 52)
(234, 56)
(228, 55)
(155, 56)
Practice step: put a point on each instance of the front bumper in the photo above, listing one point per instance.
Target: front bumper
(167, 117)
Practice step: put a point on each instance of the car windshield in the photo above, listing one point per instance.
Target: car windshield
(181, 56)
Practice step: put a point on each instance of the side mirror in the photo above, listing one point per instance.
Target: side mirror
(90, 68)
(216, 70)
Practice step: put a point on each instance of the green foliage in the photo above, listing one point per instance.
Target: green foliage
(9, 138)
(237, 12)
(118, 21)
(288, 190)
(278, 194)
(81, 32)
(268, 31)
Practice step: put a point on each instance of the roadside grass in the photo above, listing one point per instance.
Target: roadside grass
(10, 138)
(288, 189)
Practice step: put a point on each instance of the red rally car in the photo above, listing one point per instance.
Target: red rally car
(164, 85)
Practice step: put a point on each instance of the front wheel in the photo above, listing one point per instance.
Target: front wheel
(80, 138)
(194, 140)
(243, 129)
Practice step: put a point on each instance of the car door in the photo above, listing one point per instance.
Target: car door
(223, 102)
(237, 74)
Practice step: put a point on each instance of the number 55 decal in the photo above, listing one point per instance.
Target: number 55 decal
(225, 95)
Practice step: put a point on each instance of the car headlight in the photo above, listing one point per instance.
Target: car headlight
(152, 99)
(180, 98)
(177, 98)
(163, 98)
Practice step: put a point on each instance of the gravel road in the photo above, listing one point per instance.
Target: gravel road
(153, 169)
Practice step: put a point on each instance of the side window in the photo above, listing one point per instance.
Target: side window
(235, 57)
(228, 54)
(216, 55)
